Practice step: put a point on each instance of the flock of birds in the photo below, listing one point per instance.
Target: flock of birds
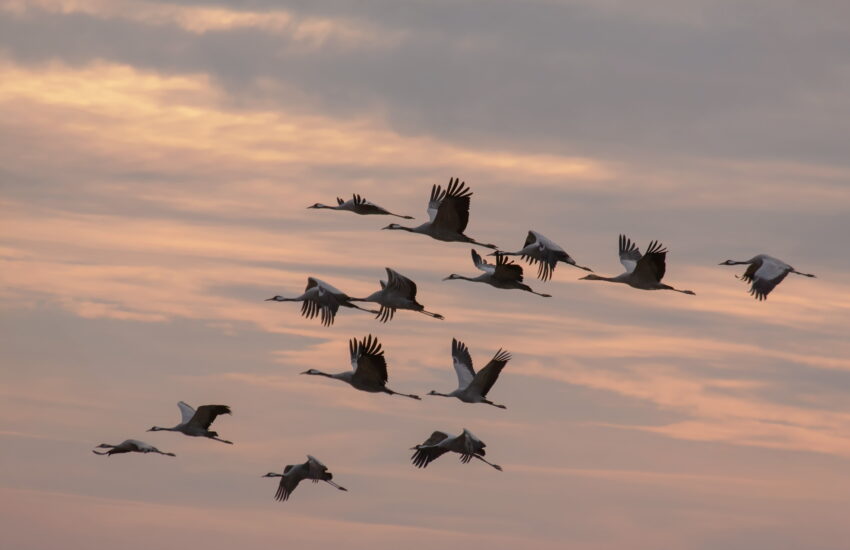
(448, 212)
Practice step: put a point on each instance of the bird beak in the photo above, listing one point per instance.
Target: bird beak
(305, 372)
(387, 227)
(446, 278)
(268, 299)
(722, 263)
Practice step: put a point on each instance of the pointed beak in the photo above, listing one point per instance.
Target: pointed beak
(269, 300)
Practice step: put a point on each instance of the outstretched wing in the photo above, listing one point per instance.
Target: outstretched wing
(206, 414)
(462, 363)
(481, 263)
(653, 264)
(367, 360)
(427, 452)
(468, 445)
(629, 253)
(288, 483)
(453, 208)
(487, 376)
(396, 282)
(186, 412)
(506, 270)
(764, 277)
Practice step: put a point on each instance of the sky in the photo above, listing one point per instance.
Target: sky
(156, 162)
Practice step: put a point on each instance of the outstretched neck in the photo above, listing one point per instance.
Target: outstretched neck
(595, 277)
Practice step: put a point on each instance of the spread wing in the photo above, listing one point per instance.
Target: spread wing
(462, 362)
(427, 452)
(487, 376)
(288, 483)
(452, 206)
(367, 360)
(186, 412)
(653, 264)
(629, 253)
(506, 270)
(206, 414)
(397, 282)
(468, 445)
(764, 277)
(481, 263)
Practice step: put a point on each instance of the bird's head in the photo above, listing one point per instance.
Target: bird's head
(311, 371)
(392, 226)
(276, 298)
(317, 205)
(727, 262)
(452, 276)
(271, 474)
(155, 429)
(591, 277)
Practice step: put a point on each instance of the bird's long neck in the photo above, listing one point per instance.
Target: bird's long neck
(595, 277)
(403, 228)
(160, 429)
(736, 262)
(462, 278)
(433, 392)
(320, 373)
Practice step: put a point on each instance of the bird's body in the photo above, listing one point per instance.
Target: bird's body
(504, 274)
(473, 387)
(439, 443)
(643, 271)
(764, 273)
(368, 368)
(542, 251)
(293, 474)
(129, 446)
(448, 212)
(397, 292)
(321, 299)
(359, 205)
(196, 423)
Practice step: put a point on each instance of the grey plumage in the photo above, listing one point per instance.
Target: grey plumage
(473, 387)
(293, 474)
(448, 212)
(196, 423)
(439, 443)
(368, 368)
(764, 273)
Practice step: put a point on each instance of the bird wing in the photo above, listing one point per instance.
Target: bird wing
(506, 270)
(467, 445)
(312, 281)
(136, 445)
(396, 282)
(462, 362)
(367, 207)
(316, 467)
(652, 265)
(487, 376)
(629, 253)
(481, 263)
(206, 414)
(453, 209)
(367, 360)
(765, 276)
(428, 451)
(292, 476)
(186, 412)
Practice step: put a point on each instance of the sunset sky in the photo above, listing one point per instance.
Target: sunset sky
(156, 162)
